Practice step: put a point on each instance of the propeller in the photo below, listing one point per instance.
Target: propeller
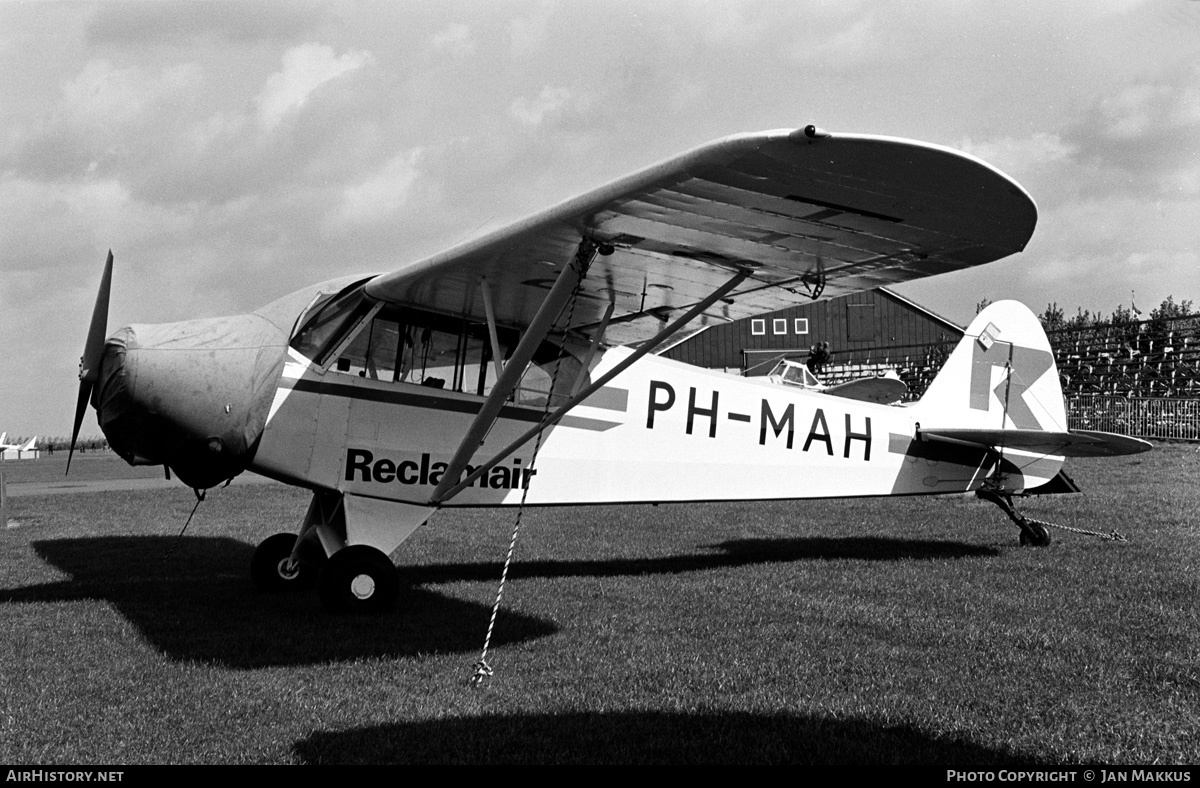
(89, 363)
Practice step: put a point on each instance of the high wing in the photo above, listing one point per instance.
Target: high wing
(810, 214)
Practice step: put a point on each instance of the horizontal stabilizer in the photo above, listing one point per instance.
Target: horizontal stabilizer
(1075, 443)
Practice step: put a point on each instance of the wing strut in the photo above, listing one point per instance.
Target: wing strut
(514, 368)
(497, 358)
(440, 495)
(591, 353)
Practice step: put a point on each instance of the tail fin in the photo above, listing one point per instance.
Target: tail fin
(29, 445)
(1000, 377)
(999, 394)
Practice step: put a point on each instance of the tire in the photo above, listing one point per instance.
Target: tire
(359, 579)
(1038, 537)
(269, 567)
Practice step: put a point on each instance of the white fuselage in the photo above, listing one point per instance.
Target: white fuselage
(660, 431)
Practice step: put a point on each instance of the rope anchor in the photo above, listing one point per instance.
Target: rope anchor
(482, 671)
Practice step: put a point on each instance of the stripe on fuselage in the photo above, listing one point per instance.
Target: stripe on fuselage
(432, 401)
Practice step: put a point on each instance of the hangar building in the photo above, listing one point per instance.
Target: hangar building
(867, 332)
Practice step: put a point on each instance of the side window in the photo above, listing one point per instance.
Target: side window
(550, 366)
(399, 345)
(374, 352)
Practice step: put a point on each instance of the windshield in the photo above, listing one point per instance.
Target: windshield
(316, 339)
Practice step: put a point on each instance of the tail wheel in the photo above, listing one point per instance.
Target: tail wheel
(272, 568)
(1034, 534)
(359, 579)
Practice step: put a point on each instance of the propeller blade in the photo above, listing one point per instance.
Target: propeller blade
(85, 391)
(89, 363)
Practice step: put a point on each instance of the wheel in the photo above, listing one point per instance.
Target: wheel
(359, 579)
(272, 569)
(1035, 535)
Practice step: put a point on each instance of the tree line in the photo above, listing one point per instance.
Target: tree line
(1055, 319)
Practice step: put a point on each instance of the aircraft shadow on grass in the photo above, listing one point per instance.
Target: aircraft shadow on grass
(193, 600)
(648, 737)
(732, 553)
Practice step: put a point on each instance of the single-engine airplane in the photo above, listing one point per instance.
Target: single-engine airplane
(517, 368)
(884, 389)
(16, 449)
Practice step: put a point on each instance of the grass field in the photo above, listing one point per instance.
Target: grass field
(863, 631)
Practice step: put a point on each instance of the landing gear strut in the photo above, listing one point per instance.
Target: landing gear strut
(1033, 532)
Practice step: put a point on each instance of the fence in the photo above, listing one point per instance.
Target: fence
(1141, 417)
(1140, 379)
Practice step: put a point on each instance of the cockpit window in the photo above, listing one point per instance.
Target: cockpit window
(329, 323)
(390, 343)
(395, 344)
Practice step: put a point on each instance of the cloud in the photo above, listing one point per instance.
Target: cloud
(455, 38)
(102, 96)
(854, 45)
(527, 34)
(1146, 109)
(41, 216)
(1143, 137)
(534, 111)
(1020, 157)
(172, 23)
(381, 196)
(305, 68)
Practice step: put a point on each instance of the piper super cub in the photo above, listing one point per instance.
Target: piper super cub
(518, 367)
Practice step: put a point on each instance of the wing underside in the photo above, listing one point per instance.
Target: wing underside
(810, 215)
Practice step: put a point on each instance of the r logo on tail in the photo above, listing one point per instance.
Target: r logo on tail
(1028, 366)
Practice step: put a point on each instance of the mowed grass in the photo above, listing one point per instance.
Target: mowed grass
(88, 466)
(909, 630)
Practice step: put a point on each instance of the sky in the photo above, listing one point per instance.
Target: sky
(232, 152)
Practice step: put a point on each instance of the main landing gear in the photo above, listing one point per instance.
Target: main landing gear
(356, 578)
(1033, 532)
